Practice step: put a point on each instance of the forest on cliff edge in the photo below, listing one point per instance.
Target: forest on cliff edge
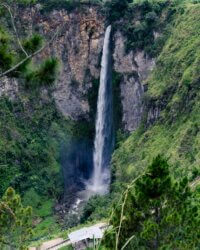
(154, 201)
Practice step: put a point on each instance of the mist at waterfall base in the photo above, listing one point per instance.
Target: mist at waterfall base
(77, 163)
(86, 164)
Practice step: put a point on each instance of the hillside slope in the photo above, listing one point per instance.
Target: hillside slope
(171, 123)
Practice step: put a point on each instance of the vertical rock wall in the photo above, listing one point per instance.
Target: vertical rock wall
(135, 68)
(78, 46)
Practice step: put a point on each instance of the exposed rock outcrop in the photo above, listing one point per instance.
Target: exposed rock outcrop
(135, 68)
(78, 47)
(9, 87)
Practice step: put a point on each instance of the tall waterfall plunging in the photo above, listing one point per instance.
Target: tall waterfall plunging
(103, 143)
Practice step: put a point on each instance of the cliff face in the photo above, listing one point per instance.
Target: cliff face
(78, 47)
(9, 87)
(135, 67)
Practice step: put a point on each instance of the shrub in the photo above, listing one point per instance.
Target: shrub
(50, 5)
(6, 55)
(115, 9)
(33, 43)
(96, 208)
(44, 76)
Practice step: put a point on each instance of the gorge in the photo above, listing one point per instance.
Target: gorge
(116, 85)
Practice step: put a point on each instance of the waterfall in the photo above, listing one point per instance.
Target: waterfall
(103, 143)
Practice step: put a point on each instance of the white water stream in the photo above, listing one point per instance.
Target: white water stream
(103, 144)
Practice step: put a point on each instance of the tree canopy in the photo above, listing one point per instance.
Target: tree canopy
(15, 221)
(156, 212)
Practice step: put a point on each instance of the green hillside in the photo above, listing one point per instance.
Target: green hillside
(173, 87)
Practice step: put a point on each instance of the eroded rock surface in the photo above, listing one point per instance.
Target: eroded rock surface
(78, 46)
(135, 68)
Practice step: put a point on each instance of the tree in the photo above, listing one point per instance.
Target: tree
(16, 58)
(116, 9)
(15, 221)
(156, 213)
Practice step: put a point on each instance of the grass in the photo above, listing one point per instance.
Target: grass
(46, 228)
(66, 248)
(44, 217)
(177, 65)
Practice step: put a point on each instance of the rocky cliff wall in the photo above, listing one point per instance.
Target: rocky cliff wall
(135, 67)
(78, 47)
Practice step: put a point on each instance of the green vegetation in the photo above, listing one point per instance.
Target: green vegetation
(177, 65)
(59, 4)
(93, 209)
(16, 52)
(66, 248)
(15, 222)
(153, 16)
(68, 5)
(149, 19)
(31, 134)
(45, 75)
(6, 55)
(173, 89)
(46, 228)
(29, 153)
(32, 131)
(156, 212)
(116, 9)
(33, 43)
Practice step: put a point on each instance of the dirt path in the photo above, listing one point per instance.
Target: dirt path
(52, 244)
(60, 242)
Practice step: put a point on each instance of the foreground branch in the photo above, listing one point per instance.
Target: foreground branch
(14, 28)
(30, 56)
(128, 241)
(123, 207)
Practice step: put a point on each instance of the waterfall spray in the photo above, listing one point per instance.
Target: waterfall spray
(103, 143)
